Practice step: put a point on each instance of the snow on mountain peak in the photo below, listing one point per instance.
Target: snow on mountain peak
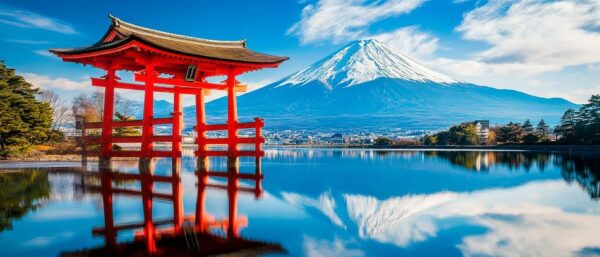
(362, 61)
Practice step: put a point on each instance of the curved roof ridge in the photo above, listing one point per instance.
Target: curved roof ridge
(118, 23)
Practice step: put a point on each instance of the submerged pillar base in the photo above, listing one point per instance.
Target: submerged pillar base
(104, 164)
(146, 165)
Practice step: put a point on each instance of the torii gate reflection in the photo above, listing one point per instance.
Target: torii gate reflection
(191, 227)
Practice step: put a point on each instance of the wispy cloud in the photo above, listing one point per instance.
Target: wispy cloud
(325, 204)
(532, 36)
(324, 248)
(26, 19)
(517, 220)
(342, 20)
(42, 241)
(45, 82)
(409, 41)
(44, 52)
(27, 42)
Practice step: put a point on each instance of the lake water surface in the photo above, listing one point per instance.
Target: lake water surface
(329, 202)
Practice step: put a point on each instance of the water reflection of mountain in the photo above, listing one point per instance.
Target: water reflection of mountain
(574, 167)
(525, 220)
(21, 192)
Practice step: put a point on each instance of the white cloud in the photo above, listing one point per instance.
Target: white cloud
(409, 41)
(519, 221)
(26, 19)
(342, 20)
(28, 42)
(391, 221)
(44, 52)
(325, 204)
(323, 248)
(45, 82)
(43, 241)
(532, 36)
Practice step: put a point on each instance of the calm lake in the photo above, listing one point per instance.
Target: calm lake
(328, 202)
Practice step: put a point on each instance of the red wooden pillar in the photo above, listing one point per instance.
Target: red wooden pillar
(232, 119)
(147, 127)
(84, 151)
(258, 177)
(259, 123)
(232, 192)
(107, 118)
(110, 234)
(147, 185)
(177, 194)
(201, 199)
(177, 123)
(200, 125)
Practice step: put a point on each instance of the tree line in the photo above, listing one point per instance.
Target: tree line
(30, 116)
(24, 120)
(576, 127)
(581, 126)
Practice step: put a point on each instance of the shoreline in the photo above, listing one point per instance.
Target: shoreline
(535, 148)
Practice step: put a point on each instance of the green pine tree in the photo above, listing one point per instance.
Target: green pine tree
(23, 119)
(590, 121)
(542, 130)
(527, 127)
(567, 126)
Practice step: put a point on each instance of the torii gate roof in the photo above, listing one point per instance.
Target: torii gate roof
(121, 35)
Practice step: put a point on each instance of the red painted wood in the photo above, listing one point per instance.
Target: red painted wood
(181, 82)
(232, 193)
(240, 140)
(178, 87)
(226, 153)
(143, 154)
(130, 86)
(210, 127)
(232, 119)
(177, 122)
(201, 199)
(147, 195)
(108, 113)
(129, 226)
(223, 174)
(200, 124)
(147, 126)
(107, 203)
(129, 123)
(177, 190)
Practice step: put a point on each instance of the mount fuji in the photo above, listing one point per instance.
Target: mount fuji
(366, 85)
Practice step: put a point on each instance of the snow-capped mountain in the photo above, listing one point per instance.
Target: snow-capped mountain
(363, 61)
(366, 85)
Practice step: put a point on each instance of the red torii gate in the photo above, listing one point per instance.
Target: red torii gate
(169, 63)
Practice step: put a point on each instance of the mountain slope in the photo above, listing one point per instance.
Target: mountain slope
(363, 61)
(365, 85)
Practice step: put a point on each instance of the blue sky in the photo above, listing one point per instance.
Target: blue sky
(545, 48)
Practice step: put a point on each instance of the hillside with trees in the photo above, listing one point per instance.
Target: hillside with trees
(576, 127)
(24, 120)
(581, 126)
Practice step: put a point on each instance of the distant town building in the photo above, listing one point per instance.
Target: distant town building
(337, 138)
(483, 128)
